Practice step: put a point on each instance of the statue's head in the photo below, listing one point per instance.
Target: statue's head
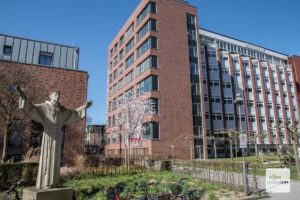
(54, 97)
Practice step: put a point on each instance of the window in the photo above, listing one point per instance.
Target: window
(129, 61)
(215, 99)
(217, 116)
(121, 40)
(128, 78)
(149, 8)
(128, 31)
(45, 58)
(121, 54)
(115, 74)
(229, 117)
(242, 118)
(228, 100)
(150, 62)
(269, 105)
(247, 76)
(195, 88)
(248, 89)
(213, 68)
(193, 51)
(237, 73)
(191, 19)
(251, 118)
(206, 115)
(129, 45)
(226, 84)
(114, 138)
(258, 90)
(214, 83)
(256, 77)
(148, 84)
(212, 54)
(154, 103)
(225, 70)
(260, 104)
(148, 44)
(150, 130)
(149, 26)
(250, 103)
(194, 68)
(7, 50)
(197, 109)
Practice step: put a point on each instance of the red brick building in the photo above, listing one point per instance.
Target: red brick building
(50, 76)
(155, 38)
(194, 76)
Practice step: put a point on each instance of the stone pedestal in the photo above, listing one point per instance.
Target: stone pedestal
(48, 194)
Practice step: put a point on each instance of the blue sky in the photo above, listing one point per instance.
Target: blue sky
(92, 24)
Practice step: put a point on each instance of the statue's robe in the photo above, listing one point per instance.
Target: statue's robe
(53, 118)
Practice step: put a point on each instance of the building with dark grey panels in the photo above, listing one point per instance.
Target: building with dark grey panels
(37, 52)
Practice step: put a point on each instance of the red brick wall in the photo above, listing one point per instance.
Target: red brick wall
(72, 86)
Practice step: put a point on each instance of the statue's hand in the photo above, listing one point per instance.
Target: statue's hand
(88, 104)
(20, 91)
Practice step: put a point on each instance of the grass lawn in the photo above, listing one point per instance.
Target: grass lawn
(94, 186)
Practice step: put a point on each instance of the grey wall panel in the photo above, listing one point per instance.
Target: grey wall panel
(56, 55)
(29, 54)
(50, 48)
(23, 51)
(28, 51)
(16, 50)
(9, 41)
(63, 57)
(2, 39)
(44, 47)
(69, 58)
(36, 53)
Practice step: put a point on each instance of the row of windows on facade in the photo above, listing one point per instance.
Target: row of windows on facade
(149, 8)
(236, 72)
(148, 63)
(251, 118)
(45, 58)
(148, 84)
(149, 26)
(150, 131)
(150, 43)
(243, 51)
(216, 83)
(212, 54)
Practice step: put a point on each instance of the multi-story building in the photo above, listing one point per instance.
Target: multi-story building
(194, 75)
(94, 139)
(54, 67)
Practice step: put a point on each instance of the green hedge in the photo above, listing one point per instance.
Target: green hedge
(11, 173)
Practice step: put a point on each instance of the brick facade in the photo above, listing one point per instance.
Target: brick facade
(72, 86)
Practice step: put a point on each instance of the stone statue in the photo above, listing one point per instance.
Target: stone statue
(53, 116)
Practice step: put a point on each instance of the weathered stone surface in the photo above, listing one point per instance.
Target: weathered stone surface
(48, 194)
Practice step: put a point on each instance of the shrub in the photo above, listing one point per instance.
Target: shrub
(13, 172)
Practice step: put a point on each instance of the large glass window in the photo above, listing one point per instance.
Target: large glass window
(150, 62)
(149, 26)
(154, 103)
(129, 61)
(129, 45)
(149, 8)
(128, 31)
(151, 131)
(148, 44)
(148, 84)
(128, 78)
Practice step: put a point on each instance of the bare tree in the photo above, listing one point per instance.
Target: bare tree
(11, 76)
(131, 117)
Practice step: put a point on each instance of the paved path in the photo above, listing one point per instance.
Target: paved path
(237, 179)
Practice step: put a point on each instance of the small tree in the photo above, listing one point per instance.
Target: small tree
(132, 112)
(11, 76)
